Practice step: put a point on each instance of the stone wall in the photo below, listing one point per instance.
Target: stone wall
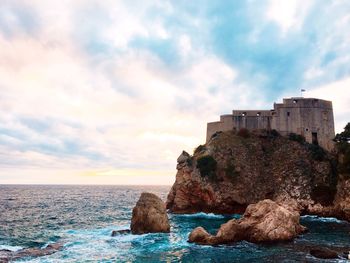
(309, 117)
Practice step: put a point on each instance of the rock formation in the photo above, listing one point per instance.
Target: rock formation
(324, 253)
(149, 215)
(265, 221)
(234, 170)
(8, 255)
(120, 232)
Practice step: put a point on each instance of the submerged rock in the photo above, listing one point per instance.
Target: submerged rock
(324, 253)
(149, 215)
(265, 221)
(7, 255)
(120, 232)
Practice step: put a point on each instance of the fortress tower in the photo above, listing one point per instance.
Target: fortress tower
(309, 117)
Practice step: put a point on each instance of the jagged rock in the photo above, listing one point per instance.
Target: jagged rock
(265, 221)
(7, 255)
(184, 156)
(324, 253)
(149, 215)
(120, 232)
(256, 168)
(200, 236)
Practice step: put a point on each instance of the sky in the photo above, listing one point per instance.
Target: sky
(111, 92)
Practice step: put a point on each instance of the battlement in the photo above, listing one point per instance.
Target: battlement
(309, 117)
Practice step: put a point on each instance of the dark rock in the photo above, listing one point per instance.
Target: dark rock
(184, 156)
(323, 253)
(120, 232)
(149, 215)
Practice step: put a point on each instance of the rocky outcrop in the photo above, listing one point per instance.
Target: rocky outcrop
(7, 255)
(120, 232)
(324, 253)
(231, 172)
(265, 221)
(149, 215)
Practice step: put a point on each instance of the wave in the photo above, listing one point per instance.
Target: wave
(322, 219)
(205, 215)
(11, 248)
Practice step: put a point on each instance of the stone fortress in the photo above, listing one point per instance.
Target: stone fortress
(312, 118)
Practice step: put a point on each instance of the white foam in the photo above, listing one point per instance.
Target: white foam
(11, 248)
(201, 215)
(322, 219)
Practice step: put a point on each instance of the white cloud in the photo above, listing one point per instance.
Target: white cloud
(339, 93)
(288, 14)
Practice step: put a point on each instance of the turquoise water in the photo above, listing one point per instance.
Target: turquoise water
(83, 217)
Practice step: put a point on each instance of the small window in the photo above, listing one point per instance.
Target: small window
(306, 129)
(288, 113)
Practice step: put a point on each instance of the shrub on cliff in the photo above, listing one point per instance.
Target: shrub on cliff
(317, 152)
(296, 137)
(243, 133)
(207, 166)
(343, 146)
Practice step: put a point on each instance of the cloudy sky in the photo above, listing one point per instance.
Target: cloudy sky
(111, 92)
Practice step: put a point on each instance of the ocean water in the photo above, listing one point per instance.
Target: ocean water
(83, 217)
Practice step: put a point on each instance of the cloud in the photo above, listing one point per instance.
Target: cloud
(111, 88)
(288, 14)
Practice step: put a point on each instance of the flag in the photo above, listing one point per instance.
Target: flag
(302, 90)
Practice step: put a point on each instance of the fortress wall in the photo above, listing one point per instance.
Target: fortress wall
(309, 117)
(252, 119)
(305, 117)
(225, 124)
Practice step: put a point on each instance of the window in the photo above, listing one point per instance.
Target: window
(306, 129)
(288, 113)
(243, 114)
(295, 101)
(258, 114)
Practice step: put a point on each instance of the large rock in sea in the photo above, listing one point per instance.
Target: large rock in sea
(265, 221)
(230, 172)
(149, 215)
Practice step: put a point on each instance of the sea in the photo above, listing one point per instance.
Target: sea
(83, 218)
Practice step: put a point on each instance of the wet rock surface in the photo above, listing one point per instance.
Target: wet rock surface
(324, 253)
(265, 221)
(149, 215)
(8, 256)
(120, 232)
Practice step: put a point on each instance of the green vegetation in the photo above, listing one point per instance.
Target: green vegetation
(207, 166)
(317, 152)
(244, 133)
(343, 146)
(274, 134)
(296, 137)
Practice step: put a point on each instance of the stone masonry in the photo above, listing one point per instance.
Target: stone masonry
(309, 117)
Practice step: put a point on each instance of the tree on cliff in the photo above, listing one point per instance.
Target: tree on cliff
(343, 146)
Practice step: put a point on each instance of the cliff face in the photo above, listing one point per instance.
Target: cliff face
(232, 171)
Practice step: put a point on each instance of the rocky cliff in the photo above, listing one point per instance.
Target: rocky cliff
(234, 170)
